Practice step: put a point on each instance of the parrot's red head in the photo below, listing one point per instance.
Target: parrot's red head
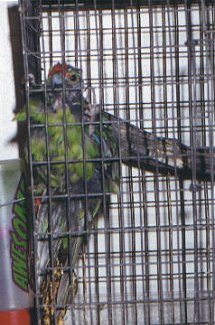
(64, 72)
(58, 69)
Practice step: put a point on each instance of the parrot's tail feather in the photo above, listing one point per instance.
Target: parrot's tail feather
(56, 262)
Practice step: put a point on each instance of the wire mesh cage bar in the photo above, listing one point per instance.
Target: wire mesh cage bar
(146, 68)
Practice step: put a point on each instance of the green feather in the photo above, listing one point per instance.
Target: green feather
(38, 149)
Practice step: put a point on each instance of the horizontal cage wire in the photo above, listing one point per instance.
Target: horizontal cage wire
(122, 171)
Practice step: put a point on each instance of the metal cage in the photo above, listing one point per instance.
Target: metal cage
(150, 257)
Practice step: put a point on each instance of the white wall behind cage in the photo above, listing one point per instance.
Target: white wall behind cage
(7, 87)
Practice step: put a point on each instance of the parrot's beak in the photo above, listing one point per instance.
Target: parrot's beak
(57, 81)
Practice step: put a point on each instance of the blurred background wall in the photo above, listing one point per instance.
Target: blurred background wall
(7, 89)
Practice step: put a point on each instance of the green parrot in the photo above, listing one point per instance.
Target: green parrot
(74, 170)
(74, 159)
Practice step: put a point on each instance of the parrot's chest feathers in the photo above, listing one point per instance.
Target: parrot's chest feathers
(69, 100)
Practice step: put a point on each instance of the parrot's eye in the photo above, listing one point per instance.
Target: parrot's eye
(74, 77)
